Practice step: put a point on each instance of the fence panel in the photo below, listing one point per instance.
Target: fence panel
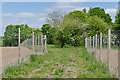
(20, 48)
(105, 48)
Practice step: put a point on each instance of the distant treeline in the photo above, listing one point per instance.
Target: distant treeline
(66, 29)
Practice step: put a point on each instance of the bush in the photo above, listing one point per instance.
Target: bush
(33, 58)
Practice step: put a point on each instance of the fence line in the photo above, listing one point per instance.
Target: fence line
(106, 49)
(35, 44)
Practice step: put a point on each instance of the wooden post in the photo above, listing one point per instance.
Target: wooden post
(90, 41)
(100, 45)
(19, 45)
(109, 44)
(41, 44)
(96, 46)
(98, 49)
(93, 42)
(38, 42)
(45, 43)
(86, 42)
(33, 41)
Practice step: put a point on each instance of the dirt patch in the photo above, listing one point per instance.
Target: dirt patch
(11, 54)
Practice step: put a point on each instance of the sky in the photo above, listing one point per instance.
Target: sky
(35, 13)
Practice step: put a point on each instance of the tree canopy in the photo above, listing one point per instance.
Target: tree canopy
(100, 13)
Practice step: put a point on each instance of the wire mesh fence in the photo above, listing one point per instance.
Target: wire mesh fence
(105, 47)
(1, 42)
(17, 50)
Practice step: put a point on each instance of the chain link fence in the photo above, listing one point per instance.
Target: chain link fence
(105, 47)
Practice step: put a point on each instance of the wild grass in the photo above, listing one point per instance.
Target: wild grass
(72, 62)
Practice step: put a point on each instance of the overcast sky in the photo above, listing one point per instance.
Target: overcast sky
(34, 13)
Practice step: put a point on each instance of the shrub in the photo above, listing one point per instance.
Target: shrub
(33, 58)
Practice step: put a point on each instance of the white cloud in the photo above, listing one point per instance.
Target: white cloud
(81, 8)
(23, 14)
(111, 11)
(41, 19)
(7, 14)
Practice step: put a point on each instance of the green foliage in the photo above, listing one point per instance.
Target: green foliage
(11, 34)
(76, 26)
(49, 31)
(100, 13)
(96, 26)
(33, 58)
(10, 69)
(45, 29)
(117, 20)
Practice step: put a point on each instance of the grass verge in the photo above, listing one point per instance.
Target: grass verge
(72, 62)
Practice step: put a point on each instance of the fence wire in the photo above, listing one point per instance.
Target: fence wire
(99, 48)
(13, 51)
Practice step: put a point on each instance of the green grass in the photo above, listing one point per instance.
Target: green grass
(72, 62)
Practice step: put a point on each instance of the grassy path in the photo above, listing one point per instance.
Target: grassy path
(71, 62)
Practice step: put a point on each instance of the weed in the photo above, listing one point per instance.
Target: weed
(33, 58)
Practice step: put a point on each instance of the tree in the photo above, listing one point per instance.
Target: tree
(96, 25)
(11, 34)
(45, 28)
(76, 26)
(84, 10)
(55, 18)
(37, 32)
(117, 20)
(71, 30)
(100, 13)
(49, 31)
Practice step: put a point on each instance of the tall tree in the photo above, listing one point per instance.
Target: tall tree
(117, 20)
(49, 31)
(11, 34)
(45, 28)
(55, 18)
(100, 13)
